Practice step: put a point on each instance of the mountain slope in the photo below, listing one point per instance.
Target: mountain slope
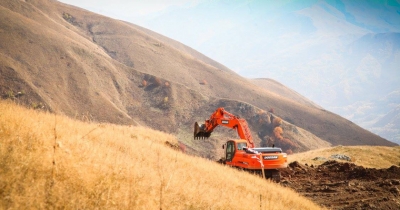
(87, 66)
(277, 88)
(389, 124)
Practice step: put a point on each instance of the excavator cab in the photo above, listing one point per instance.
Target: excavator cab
(200, 131)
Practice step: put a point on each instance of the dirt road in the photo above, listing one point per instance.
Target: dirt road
(338, 185)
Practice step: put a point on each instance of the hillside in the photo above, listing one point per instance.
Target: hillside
(52, 161)
(278, 88)
(68, 60)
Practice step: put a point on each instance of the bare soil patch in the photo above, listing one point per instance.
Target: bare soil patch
(338, 185)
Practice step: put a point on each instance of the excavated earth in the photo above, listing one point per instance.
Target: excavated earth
(338, 185)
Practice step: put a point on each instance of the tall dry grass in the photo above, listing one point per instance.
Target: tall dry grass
(51, 161)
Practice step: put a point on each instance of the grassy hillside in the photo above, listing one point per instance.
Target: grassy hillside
(52, 161)
(367, 156)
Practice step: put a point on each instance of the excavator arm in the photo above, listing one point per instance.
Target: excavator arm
(224, 118)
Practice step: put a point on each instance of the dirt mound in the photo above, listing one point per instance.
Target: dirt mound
(338, 185)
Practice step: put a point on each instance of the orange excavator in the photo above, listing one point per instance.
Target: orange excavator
(241, 153)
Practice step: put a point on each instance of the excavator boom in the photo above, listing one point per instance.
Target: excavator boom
(224, 118)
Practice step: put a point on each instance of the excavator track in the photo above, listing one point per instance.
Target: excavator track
(273, 174)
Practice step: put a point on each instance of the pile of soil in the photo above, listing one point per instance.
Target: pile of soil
(338, 185)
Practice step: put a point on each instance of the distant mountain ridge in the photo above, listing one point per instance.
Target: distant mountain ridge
(389, 124)
(68, 60)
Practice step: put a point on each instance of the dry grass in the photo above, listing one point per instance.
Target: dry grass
(51, 161)
(367, 156)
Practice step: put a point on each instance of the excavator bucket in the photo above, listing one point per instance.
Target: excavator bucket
(200, 132)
